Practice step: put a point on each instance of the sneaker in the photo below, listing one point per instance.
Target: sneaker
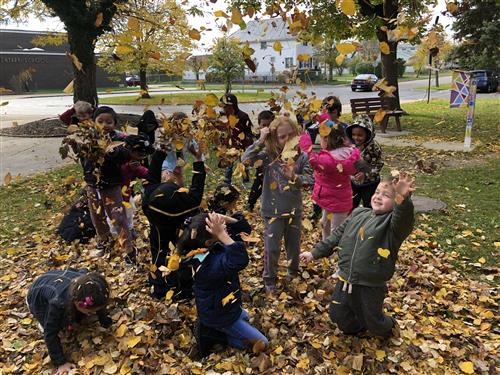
(271, 290)
(100, 249)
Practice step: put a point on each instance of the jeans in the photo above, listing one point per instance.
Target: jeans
(241, 334)
(228, 174)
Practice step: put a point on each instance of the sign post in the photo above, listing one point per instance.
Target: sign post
(470, 113)
(463, 93)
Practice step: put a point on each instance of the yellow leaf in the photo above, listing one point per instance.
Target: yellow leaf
(303, 57)
(233, 120)
(7, 179)
(98, 20)
(348, 7)
(169, 295)
(183, 190)
(178, 144)
(133, 341)
(194, 34)
(126, 204)
(26, 321)
(241, 136)
(120, 331)
(345, 48)
(174, 262)
(75, 61)
(306, 223)
(315, 105)
(110, 368)
(362, 233)
(124, 188)
(133, 24)
(339, 59)
(273, 185)
(379, 115)
(277, 47)
(384, 48)
(220, 13)
(379, 355)
(467, 367)
(324, 129)
(384, 253)
(230, 297)
(211, 100)
(303, 363)
(236, 17)
(123, 50)
(482, 260)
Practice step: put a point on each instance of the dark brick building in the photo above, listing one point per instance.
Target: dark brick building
(25, 66)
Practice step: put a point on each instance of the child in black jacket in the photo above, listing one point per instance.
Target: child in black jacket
(60, 298)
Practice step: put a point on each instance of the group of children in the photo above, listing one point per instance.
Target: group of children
(343, 172)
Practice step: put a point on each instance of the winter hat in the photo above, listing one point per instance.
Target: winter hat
(105, 109)
(139, 143)
(147, 118)
(324, 117)
(229, 99)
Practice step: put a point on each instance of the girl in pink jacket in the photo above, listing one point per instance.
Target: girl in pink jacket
(333, 165)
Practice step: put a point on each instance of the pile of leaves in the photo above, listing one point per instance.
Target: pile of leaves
(447, 320)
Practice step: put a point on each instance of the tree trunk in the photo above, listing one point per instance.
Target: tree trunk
(330, 72)
(390, 65)
(144, 82)
(84, 85)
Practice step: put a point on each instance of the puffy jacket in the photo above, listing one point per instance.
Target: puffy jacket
(332, 183)
(368, 244)
(244, 125)
(214, 282)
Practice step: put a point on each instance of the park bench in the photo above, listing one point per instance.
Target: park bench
(370, 106)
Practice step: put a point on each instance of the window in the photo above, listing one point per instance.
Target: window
(288, 62)
(305, 64)
(304, 44)
(263, 45)
(273, 59)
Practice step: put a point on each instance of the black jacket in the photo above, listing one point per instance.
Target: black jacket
(49, 302)
(76, 223)
(214, 282)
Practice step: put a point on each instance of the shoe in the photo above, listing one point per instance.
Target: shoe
(100, 249)
(271, 290)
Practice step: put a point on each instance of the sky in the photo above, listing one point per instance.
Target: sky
(207, 37)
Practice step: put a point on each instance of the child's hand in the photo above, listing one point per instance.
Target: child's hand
(196, 152)
(288, 171)
(404, 186)
(264, 132)
(65, 368)
(359, 177)
(306, 256)
(216, 225)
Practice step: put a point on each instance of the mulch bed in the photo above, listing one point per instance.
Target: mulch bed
(53, 127)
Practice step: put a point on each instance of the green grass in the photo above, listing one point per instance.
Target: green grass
(437, 121)
(470, 224)
(182, 98)
(446, 86)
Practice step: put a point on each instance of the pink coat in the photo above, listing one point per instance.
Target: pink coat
(332, 183)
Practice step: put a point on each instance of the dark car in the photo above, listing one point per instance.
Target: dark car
(133, 80)
(364, 82)
(486, 80)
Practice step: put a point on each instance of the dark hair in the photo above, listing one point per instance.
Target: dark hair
(224, 193)
(105, 109)
(265, 115)
(178, 116)
(91, 290)
(332, 103)
(230, 99)
(197, 229)
(336, 137)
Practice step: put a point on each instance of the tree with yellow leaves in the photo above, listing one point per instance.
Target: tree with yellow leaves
(227, 61)
(153, 35)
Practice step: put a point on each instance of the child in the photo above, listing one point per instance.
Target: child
(80, 112)
(368, 243)
(362, 133)
(281, 206)
(332, 167)
(217, 289)
(104, 189)
(76, 223)
(60, 298)
(264, 120)
(333, 110)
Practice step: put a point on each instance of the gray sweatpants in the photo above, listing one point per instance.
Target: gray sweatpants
(360, 308)
(287, 228)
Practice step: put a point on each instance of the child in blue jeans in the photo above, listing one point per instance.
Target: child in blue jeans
(217, 290)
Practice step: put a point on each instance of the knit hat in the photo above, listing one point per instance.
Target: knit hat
(229, 99)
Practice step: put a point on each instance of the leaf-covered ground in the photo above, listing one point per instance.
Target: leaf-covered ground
(447, 313)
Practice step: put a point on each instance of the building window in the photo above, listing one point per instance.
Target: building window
(263, 45)
(288, 62)
(273, 59)
(305, 64)
(304, 43)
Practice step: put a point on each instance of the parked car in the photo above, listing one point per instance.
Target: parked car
(487, 80)
(132, 80)
(364, 82)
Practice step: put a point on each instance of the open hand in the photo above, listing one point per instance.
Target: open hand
(65, 368)
(359, 177)
(216, 225)
(404, 185)
(306, 256)
(288, 171)
(264, 133)
(196, 151)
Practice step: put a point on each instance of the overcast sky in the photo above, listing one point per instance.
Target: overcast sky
(207, 37)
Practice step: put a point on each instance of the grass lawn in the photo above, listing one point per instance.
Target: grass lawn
(437, 121)
(182, 98)
(446, 86)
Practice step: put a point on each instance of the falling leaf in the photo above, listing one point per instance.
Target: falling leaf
(183, 190)
(236, 17)
(345, 48)
(348, 7)
(379, 115)
(467, 367)
(74, 59)
(384, 253)
(4, 103)
(211, 100)
(230, 297)
(247, 51)
(7, 179)
(233, 120)
(250, 64)
(452, 7)
(339, 59)
(277, 47)
(98, 19)
(315, 105)
(194, 34)
(133, 24)
(384, 48)
(303, 57)
(154, 55)
(220, 13)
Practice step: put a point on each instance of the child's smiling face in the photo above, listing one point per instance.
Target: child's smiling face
(359, 135)
(383, 199)
(107, 121)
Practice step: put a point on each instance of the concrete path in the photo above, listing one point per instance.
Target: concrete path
(391, 138)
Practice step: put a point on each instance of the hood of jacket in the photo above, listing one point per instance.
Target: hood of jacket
(362, 121)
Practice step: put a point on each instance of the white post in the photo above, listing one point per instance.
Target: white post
(470, 113)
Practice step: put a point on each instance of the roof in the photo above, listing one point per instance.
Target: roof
(264, 30)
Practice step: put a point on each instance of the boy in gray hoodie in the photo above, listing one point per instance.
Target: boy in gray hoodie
(368, 243)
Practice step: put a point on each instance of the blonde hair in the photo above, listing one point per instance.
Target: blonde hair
(271, 143)
(82, 107)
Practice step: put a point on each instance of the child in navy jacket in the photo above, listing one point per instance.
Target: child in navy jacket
(217, 289)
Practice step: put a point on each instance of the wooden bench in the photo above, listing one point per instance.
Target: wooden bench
(370, 106)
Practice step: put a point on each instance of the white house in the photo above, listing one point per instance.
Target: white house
(261, 36)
